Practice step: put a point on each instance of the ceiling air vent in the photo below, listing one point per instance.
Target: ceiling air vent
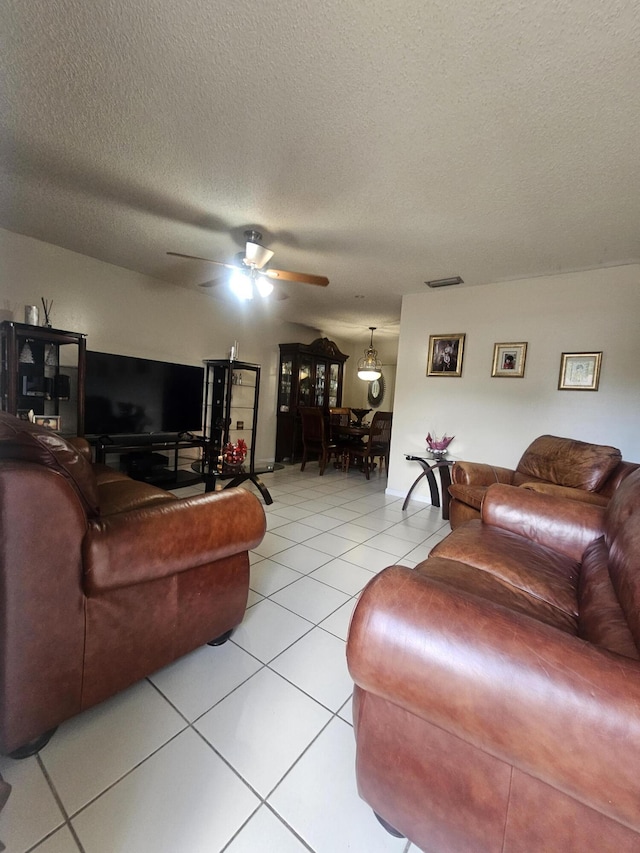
(444, 282)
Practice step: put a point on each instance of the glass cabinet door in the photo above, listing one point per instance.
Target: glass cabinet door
(334, 380)
(321, 369)
(304, 382)
(284, 391)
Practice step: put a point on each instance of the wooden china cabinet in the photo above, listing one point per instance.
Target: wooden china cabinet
(309, 375)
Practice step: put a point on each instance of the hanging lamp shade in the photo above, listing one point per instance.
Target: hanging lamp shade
(369, 367)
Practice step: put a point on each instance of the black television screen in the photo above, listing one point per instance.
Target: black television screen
(125, 395)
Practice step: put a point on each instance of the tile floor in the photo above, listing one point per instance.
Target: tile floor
(247, 747)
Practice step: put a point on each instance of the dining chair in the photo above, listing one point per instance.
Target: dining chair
(339, 420)
(376, 445)
(314, 438)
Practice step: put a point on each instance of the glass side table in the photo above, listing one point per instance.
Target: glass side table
(429, 465)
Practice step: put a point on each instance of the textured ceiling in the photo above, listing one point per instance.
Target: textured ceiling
(379, 144)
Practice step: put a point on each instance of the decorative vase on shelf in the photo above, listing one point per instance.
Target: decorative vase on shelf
(438, 447)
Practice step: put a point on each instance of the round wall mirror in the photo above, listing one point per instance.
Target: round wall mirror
(376, 392)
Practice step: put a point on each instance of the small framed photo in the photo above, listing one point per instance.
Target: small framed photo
(49, 421)
(509, 360)
(579, 371)
(445, 355)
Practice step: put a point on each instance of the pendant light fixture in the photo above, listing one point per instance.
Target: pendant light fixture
(369, 368)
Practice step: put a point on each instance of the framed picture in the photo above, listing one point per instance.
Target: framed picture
(445, 355)
(509, 360)
(50, 421)
(579, 371)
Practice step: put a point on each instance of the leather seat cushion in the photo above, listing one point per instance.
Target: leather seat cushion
(529, 568)
(468, 579)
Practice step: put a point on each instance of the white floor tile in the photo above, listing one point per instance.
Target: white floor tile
(338, 623)
(253, 598)
(322, 522)
(375, 524)
(262, 728)
(292, 513)
(269, 577)
(297, 531)
(95, 749)
(315, 505)
(317, 664)
(196, 682)
(407, 533)
(183, 798)
(274, 521)
(342, 513)
(330, 543)
(265, 833)
(61, 841)
(310, 598)
(272, 544)
(302, 558)
(353, 532)
(343, 576)
(31, 811)
(369, 558)
(268, 629)
(390, 544)
(319, 800)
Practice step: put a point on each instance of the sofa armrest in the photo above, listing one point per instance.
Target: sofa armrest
(160, 540)
(525, 692)
(480, 474)
(562, 525)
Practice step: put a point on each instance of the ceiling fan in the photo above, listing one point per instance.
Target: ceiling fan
(251, 271)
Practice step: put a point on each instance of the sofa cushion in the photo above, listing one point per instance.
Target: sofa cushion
(569, 462)
(528, 567)
(495, 589)
(27, 442)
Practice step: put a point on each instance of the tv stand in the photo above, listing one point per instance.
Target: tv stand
(151, 457)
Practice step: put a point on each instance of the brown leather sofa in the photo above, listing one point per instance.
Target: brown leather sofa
(104, 579)
(561, 466)
(497, 697)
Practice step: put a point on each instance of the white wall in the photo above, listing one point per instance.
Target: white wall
(127, 313)
(494, 419)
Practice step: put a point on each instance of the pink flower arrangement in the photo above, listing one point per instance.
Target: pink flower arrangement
(438, 444)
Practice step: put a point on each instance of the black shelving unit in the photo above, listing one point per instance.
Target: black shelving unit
(43, 371)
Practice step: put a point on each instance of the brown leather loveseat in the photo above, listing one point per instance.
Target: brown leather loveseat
(564, 467)
(104, 579)
(497, 698)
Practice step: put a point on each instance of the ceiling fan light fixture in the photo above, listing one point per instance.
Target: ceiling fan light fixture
(256, 255)
(369, 367)
(240, 285)
(263, 286)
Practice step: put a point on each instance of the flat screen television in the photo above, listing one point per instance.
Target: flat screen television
(126, 395)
